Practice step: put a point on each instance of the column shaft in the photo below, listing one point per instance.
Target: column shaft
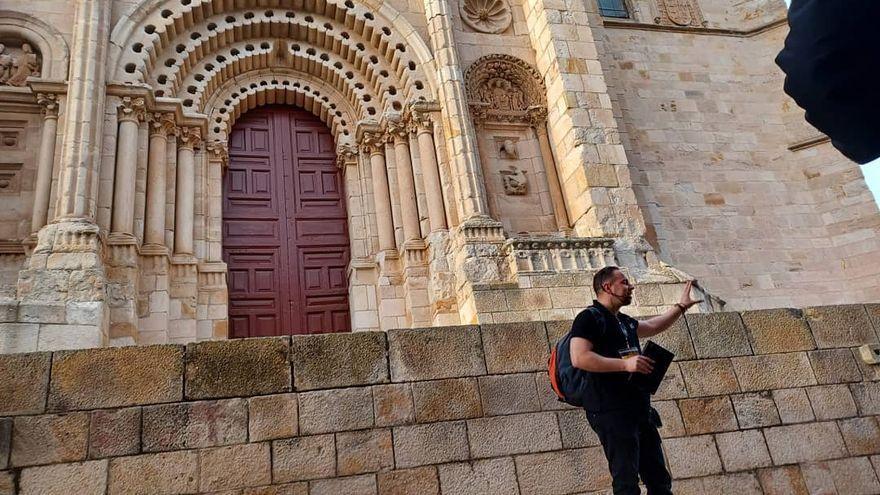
(125, 180)
(382, 199)
(184, 203)
(405, 181)
(431, 175)
(154, 225)
(45, 161)
(553, 183)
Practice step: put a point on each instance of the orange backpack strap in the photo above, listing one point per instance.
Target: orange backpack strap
(551, 370)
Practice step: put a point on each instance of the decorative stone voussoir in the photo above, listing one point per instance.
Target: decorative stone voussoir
(234, 368)
(339, 360)
(116, 377)
(434, 353)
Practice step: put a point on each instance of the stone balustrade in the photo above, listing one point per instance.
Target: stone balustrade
(759, 402)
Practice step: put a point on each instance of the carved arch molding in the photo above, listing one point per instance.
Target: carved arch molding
(503, 88)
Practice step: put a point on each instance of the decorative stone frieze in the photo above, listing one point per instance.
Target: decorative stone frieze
(486, 16)
(560, 255)
(17, 63)
(684, 13)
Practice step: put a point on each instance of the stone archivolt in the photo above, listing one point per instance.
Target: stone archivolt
(486, 16)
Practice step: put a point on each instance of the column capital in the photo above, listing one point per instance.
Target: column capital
(189, 137)
(49, 105)
(161, 123)
(372, 142)
(345, 154)
(218, 151)
(420, 116)
(398, 130)
(131, 109)
(537, 116)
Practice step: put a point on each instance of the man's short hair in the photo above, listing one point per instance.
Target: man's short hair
(602, 276)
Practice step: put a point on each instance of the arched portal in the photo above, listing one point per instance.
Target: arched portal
(285, 236)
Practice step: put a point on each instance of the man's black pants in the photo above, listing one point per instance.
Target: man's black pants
(632, 447)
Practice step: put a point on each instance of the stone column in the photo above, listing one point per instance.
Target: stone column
(405, 181)
(86, 94)
(46, 160)
(218, 157)
(131, 111)
(424, 128)
(373, 143)
(154, 229)
(458, 128)
(184, 203)
(539, 122)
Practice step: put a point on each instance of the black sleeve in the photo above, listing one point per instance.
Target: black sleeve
(587, 326)
(830, 62)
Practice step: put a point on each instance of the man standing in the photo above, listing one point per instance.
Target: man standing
(605, 344)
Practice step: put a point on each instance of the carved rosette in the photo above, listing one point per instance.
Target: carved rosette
(189, 137)
(685, 13)
(503, 88)
(161, 124)
(49, 105)
(486, 16)
(131, 109)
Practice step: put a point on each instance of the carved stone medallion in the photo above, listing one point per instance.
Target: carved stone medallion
(486, 16)
(679, 13)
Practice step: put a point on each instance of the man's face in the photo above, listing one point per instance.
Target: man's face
(620, 288)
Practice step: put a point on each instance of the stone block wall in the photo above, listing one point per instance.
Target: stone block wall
(760, 402)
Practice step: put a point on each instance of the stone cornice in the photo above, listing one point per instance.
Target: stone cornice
(644, 26)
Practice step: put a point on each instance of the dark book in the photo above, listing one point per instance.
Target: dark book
(662, 359)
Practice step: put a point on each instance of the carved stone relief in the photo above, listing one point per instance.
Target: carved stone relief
(11, 135)
(684, 13)
(17, 63)
(486, 16)
(507, 148)
(10, 178)
(503, 88)
(514, 180)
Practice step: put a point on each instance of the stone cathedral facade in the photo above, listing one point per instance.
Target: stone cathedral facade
(182, 170)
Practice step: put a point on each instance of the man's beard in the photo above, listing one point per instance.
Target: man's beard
(626, 300)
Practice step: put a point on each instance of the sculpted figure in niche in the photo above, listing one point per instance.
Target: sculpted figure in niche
(508, 149)
(14, 70)
(5, 64)
(503, 95)
(514, 181)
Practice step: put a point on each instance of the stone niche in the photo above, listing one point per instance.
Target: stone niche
(18, 61)
(19, 140)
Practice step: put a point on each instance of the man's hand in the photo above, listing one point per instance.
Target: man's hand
(638, 364)
(685, 299)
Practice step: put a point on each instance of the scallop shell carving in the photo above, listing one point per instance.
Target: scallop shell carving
(486, 16)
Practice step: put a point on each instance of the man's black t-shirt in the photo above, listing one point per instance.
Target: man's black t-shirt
(609, 334)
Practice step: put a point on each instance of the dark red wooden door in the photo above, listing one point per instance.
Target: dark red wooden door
(285, 238)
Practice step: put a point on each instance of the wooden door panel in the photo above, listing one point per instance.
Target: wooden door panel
(285, 229)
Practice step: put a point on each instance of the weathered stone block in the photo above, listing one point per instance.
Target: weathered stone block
(670, 416)
(7, 483)
(557, 329)
(335, 410)
(575, 431)
(486, 477)
(165, 473)
(8, 310)
(804, 442)
(433, 443)
(834, 366)
(42, 312)
(793, 405)
(743, 450)
(272, 416)
(707, 415)
(339, 360)
(85, 313)
(393, 404)
(115, 432)
(709, 377)
(89, 478)
(718, 335)
(5, 442)
(446, 400)
(852, 476)
(734, 483)
(415, 481)
(49, 439)
(18, 337)
(234, 368)
(672, 386)
(434, 353)
(191, 425)
(861, 435)
(546, 397)
(508, 394)
(517, 434)
(870, 372)
(773, 371)
(755, 410)
(566, 471)
(353, 485)
(692, 456)
(116, 377)
(840, 326)
(235, 466)
(778, 330)
(783, 480)
(62, 337)
(282, 489)
(24, 385)
(303, 458)
(831, 402)
(677, 340)
(366, 451)
(515, 347)
(867, 396)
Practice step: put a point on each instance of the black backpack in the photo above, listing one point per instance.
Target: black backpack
(569, 383)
